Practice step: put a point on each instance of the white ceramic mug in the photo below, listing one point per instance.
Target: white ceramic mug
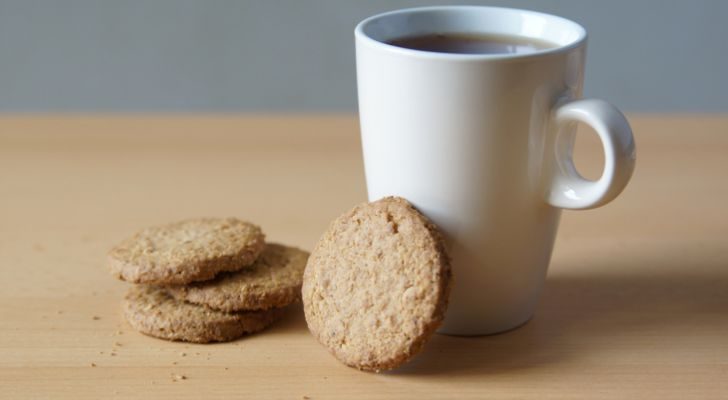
(482, 144)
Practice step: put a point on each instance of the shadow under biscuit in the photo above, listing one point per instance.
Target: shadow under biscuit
(292, 322)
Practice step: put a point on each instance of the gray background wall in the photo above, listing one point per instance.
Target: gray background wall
(297, 55)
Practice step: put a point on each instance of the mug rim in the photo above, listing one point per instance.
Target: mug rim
(364, 38)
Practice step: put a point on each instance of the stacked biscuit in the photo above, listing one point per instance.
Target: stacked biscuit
(206, 280)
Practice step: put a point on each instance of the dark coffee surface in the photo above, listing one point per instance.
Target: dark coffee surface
(467, 43)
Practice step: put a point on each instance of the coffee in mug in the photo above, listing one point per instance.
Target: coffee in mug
(472, 43)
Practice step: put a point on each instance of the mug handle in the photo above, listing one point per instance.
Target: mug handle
(567, 188)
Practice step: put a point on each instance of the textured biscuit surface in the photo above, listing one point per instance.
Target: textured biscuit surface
(187, 251)
(274, 280)
(376, 284)
(152, 311)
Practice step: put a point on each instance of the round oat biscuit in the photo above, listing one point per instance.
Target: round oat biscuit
(187, 251)
(274, 280)
(376, 285)
(152, 311)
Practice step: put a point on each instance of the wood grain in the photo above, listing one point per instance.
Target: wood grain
(636, 302)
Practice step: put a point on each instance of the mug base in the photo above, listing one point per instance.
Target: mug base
(461, 331)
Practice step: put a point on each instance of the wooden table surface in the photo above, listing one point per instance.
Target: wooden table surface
(635, 305)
